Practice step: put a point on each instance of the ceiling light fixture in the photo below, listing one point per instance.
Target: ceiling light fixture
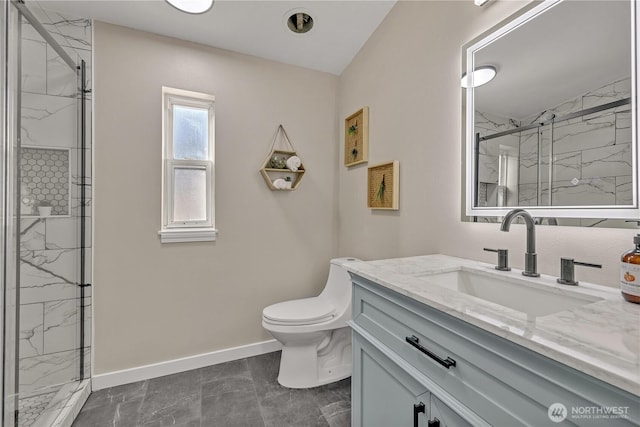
(480, 76)
(300, 22)
(480, 2)
(191, 6)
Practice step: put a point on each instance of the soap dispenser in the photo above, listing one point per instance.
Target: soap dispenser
(630, 273)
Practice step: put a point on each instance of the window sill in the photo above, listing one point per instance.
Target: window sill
(183, 235)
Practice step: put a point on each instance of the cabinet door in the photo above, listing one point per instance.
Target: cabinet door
(383, 395)
(445, 415)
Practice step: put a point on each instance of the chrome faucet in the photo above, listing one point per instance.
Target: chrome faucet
(530, 257)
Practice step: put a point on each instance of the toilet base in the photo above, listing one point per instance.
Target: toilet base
(306, 366)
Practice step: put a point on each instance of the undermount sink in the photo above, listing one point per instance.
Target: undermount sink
(523, 295)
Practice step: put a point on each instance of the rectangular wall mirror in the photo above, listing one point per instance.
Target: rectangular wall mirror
(555, 129)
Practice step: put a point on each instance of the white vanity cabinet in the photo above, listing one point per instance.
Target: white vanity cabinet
(406, 353)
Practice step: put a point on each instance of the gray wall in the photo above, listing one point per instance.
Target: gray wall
(161, 302)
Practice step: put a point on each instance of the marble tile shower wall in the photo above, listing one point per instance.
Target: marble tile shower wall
(50, 246)
(592, 161)
(489, 153)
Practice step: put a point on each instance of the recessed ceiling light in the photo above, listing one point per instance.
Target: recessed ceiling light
(300, 22)
(481, 75)
(191, 6)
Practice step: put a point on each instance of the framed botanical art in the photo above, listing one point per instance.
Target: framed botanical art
(356, 137)
(383, 186)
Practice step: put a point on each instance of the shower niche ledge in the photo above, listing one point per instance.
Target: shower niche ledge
(45, 181)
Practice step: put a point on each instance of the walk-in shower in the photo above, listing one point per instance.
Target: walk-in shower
(45, 194)
(578, 157)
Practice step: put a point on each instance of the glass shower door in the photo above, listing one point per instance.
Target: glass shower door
(49, 305)
(9, 89)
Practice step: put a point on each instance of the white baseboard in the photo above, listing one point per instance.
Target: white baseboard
(141, 373)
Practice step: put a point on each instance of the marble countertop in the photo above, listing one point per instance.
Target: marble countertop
(601, 339)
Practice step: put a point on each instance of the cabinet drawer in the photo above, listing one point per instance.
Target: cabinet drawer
(504, 383)
(383, 395)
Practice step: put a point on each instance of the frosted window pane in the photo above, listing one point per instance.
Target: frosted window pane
(190, 130)
(189, 195)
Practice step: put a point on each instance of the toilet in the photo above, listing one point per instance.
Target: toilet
(316, 341)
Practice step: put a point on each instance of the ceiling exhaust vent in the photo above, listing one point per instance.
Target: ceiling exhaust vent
(300, 23)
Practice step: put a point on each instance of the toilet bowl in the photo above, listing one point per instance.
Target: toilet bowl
(316, 341)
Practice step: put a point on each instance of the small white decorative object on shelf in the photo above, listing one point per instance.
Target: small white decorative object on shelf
(44, 210)
(293, 163)
(280, 184)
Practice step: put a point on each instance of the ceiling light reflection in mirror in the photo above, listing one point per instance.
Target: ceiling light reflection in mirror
(481, 75)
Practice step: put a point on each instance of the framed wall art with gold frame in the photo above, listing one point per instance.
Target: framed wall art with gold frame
(383, 186)
(356, 137)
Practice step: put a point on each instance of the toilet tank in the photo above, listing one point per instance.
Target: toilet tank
(338, 287)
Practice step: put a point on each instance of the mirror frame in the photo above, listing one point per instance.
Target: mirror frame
(608, 211)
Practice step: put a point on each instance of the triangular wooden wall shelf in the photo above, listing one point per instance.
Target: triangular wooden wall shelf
(271, 173)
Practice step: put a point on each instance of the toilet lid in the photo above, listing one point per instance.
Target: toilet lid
(299, 312)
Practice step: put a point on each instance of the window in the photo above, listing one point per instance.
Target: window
(187, 168)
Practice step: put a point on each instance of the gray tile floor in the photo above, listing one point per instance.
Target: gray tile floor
(239, 393)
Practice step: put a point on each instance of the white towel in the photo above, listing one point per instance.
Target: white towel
(279, 183)
(293, 163)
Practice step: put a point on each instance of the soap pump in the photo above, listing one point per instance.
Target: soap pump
(630, 273)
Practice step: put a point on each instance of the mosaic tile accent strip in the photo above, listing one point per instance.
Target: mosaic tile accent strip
(45, 179)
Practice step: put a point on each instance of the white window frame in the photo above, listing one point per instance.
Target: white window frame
(186, 231)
